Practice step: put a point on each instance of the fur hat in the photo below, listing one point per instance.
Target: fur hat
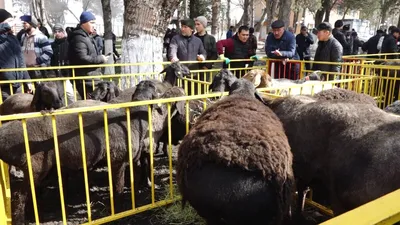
(4, 14)
(29, 19)
(202, 20)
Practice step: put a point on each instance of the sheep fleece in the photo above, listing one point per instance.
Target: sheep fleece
(238, 131)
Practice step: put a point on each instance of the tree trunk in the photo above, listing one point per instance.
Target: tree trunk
(398, 22)
(273, 12)
(193, 8)
(284, 11)
(245, 16)
(216, 6)
(108, 47)
(319, 15)
(345, 12)
(326, 4)
(228, 13)
(251, 6)
(258, 25)
(145, 22)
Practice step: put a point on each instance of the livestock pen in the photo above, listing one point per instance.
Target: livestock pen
(361, 83)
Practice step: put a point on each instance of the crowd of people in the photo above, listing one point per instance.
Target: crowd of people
(30, 47)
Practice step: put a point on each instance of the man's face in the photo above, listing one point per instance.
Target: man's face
(396, 34)
(58, 34)
(186, 31)
(243, 35)
(323, 35)
(304, 31)
(278, 32)
(26, 25)
(89, 26)
(199, 27)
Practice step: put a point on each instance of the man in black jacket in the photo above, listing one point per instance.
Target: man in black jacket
(389, 44)
(346, 43)
(12, 57)
(329, 50)
(303, 42)
(60, 58)
(371, 46)
(83, 51)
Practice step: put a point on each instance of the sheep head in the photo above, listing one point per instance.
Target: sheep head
(105, 91)
(174, 71)
(222, 81)
(47, 97)
(259, 78)
(178, 107)
(245, 88)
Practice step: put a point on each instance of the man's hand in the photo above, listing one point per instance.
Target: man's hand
(200, 58)
(30, 88)
(256, 57)
(105, 58)
(174, 59)
(226, 60)
(277, 52)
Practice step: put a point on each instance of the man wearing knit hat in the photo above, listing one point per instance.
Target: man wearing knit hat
(208, 40)
(83, 51)
(36, 47)
(209, 44)
(12, 58)
(60, 58)
(186, 46)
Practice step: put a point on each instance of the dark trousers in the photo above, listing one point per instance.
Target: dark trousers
(88, 88)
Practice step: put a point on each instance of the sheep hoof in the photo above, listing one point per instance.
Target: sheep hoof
(156, 187)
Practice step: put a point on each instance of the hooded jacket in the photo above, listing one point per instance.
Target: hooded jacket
(82, 50)
(13, 59)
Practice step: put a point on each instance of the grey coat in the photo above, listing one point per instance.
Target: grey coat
(328, 51)
(186, 48)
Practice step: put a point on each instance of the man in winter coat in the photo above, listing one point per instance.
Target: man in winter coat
(186, 46)
(389, 44)
(82, 50)
(281, 44)
(35, 46)
(356, 43)
(209, 45)
(303, 42)
(99, 42)
(252, 41)
(229, 34)
(60, 58)
(207, 40)
(371, 46)
(329, 50)
(236, 47)
(12, 57)
(346, 43)
(42, 28)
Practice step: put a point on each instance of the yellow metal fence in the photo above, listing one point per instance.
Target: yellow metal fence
(368, 83)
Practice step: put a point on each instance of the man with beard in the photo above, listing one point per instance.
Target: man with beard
(186, 46)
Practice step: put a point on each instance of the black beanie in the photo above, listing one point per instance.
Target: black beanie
(188, 22)
(4, 14)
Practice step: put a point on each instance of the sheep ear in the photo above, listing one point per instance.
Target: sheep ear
(180, 107)
(257, 80)
(37, 97)
(258, 97)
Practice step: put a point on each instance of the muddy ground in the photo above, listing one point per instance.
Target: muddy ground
(50, 210)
